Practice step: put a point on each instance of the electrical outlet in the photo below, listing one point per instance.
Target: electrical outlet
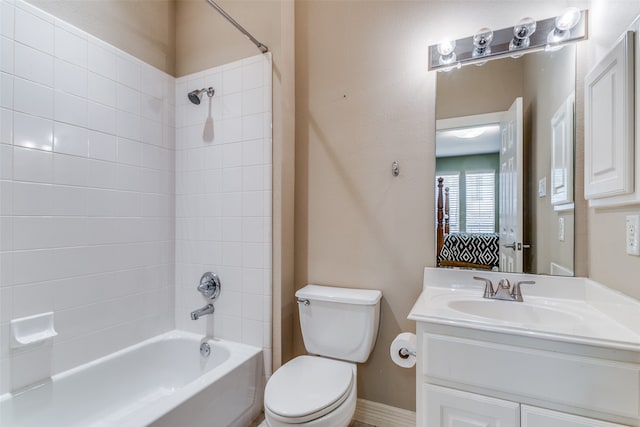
(561, 229)
(633, 234)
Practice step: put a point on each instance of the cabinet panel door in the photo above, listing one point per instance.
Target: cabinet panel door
(537, 417)
(445, 407)
(609, 115)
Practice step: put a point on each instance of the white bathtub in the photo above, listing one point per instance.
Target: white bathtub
(163, 382)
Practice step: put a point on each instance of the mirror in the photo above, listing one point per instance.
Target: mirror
(505, 155)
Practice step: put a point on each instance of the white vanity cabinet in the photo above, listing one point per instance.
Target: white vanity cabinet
(471, 378)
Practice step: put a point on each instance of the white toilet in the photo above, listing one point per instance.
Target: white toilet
(340, 326)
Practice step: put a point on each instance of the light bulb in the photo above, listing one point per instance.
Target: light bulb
(446, 47)
(568, 19)
(482, 42)
(446, 50)
(521, 33)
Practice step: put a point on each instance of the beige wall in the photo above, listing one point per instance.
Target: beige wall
(143, 28)
(608, 261)
(364, 98)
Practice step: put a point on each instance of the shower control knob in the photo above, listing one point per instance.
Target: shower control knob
(210, 285)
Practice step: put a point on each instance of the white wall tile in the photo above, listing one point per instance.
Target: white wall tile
(70, 78)
(6, 165)
(48, 200)
(69, 170)
(102, 89)
(128, 99)
(32, 64)
(252, 178)
(69, 139)
(252, 101)
(32, 165)
(32, 98)
(252, 126)
(102, 146)
(252, 152)
(33, 31)
(129, 126)
(231, 81)
(6, 19)
(129, 152)
(70, 47)
(6, 126)
(6, 55)
(101, 59)
(70, 109)
(232, 155)
(128, 71)
(232, 179)
(102, 118)
(48, 232)
(6, 90)
(32, 132)
(252, 76)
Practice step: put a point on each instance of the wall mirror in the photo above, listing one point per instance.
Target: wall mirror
(504, 164)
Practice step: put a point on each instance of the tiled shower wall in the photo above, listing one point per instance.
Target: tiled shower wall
(223, 200)
(87, 154)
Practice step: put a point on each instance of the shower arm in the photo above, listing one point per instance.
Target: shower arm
(263, 48)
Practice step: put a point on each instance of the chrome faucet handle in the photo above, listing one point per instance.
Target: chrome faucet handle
(488, 287)
(516, 292)
(210, 285)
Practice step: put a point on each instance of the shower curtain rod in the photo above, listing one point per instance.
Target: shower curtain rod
(263, 48)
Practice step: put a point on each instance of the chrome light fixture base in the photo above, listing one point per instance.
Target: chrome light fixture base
(524, 37)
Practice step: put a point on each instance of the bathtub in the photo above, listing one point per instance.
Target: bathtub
(162, 382)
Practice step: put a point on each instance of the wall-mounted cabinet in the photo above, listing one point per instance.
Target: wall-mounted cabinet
(612, 157)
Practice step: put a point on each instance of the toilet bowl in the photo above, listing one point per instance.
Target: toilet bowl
(339, 327)
(311, 391)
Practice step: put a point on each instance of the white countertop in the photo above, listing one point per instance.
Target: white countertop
(567, 309)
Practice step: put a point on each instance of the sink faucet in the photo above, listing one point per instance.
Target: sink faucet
(504, 291)
(207, 309)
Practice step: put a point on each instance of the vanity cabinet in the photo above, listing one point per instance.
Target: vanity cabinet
(468, 378)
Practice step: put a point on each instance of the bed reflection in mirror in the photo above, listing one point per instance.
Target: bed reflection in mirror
(504, 164)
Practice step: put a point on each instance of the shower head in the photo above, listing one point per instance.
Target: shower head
(196, 95)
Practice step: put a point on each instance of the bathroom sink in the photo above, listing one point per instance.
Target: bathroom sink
(517, 312)
(568, 309)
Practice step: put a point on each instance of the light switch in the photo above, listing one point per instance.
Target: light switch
(542, 187)
(561, 229)
(633, 234)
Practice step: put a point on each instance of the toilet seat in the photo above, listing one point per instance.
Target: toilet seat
(307, 388)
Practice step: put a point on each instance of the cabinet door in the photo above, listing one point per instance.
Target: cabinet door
(609, 118)
(445, 407)
(537, 417)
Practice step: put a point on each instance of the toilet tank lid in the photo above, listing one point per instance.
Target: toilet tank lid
(341, 295)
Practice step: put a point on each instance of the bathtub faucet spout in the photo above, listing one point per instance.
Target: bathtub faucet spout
(207, 309)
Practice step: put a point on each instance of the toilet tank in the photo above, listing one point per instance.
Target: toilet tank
(340, 323)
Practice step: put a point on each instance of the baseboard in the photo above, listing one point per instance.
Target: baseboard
(380, 415)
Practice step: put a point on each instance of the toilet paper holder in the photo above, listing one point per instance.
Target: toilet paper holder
(405, 353)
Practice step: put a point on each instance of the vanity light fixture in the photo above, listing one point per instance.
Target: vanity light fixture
(522, 34)
(526, 36)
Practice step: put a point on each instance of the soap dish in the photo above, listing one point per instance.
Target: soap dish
(32, 330)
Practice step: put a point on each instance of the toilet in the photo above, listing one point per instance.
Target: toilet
(339, 328)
